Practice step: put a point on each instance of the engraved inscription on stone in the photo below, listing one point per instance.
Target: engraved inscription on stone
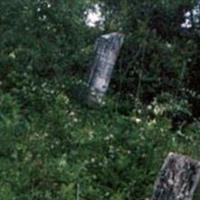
(107, 49)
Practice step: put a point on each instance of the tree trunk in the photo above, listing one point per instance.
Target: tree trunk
(178, 178)
(107, 49)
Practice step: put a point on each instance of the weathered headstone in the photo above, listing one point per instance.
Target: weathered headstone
(178, 178)
(107, 49)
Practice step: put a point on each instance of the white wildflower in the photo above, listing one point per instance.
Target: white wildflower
(12, 55)
(136, 119)
(93, 160)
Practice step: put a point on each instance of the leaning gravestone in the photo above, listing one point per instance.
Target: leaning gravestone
(178, 178)
(107, 49)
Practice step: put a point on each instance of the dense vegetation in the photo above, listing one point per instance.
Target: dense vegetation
(52, 146)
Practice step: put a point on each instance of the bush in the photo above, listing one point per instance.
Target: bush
(52, 147)
(71, 151)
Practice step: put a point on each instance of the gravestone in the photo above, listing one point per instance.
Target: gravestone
(178, 178)
(107, 49)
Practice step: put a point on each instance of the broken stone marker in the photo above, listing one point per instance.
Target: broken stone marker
(107, 49)
(178, 178)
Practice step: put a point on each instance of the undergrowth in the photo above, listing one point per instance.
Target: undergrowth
(65, 150)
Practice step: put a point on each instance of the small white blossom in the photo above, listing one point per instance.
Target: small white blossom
(149, 107)
(75, 120)
(129, 152)
(92, 160)
(168, 45)
(107, 194)
(136, 119)
(12, 55)
(44, 17)
(152, 122)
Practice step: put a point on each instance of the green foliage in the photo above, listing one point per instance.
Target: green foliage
(72, 152)
(158, 55)
(52, 147)
(41, 38)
